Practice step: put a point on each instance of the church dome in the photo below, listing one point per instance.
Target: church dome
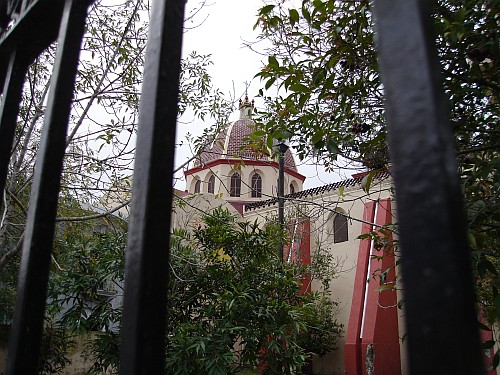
(231, 142)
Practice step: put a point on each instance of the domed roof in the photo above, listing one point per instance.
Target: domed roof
(230, 143)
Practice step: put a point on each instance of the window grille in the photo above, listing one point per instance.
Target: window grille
(340, 229)
(256, 186)
(211, 184)
(235, 190)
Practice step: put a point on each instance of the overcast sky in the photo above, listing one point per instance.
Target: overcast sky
(226, 25)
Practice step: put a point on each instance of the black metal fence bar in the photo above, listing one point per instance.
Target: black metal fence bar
(143, 331)
(440, 313)
(441, 318)
(12, 92)
(36, 27)
(25, 339)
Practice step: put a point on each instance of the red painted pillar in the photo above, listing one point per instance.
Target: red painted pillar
(352, 347)
(305, 253)
(488, 354)
(380, 334)
(373, 320)
(300, 246)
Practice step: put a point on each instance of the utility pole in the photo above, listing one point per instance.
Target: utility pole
(282, 147)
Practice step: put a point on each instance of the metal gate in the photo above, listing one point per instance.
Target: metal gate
(442, 329)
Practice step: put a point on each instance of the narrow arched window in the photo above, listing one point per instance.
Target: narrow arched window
(197, 186)
(339, 228)
(256, 186)
(235, 189)
(211, 184)
(292, 189)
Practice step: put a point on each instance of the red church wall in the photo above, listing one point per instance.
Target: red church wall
(352, 347)
(372, 338)
(381, 319)
(488, 354)
(300, 233)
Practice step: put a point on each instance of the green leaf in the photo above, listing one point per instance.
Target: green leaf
(270, 82)
(278, 134)
(269, 142)
(273, 62)
(259, 133)
(299, 87)
(471, 239)
(306, 14)
(366, 182)
(265, 10)
(488, 344)
(401, 303)
(332, 147)
(316, 138)
(319, 76)
(303, 99)
(294, 17)
(386, 287)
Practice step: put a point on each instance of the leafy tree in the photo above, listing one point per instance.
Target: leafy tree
(85, 288)
(323, 63)
(235, 304)
(232, 303)
(101, 137)
(322, 59)
(100, 150)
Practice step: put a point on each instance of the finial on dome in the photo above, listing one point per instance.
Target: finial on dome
(246, 108)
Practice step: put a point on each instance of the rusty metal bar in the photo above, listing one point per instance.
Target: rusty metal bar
(143, 331)
(27, 327)
(440, 313)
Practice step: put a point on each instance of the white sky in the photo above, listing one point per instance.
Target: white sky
(227, 25)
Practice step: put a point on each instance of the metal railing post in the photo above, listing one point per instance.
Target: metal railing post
(142, 348)
(439, 299)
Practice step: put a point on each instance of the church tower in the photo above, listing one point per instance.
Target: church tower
(229, 168)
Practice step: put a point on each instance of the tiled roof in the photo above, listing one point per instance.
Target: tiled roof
(234, 147)
(212, 151)
(315, 191)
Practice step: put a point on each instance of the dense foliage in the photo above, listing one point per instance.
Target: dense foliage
(323, 63)
(100, 144)
(232, 303)
(100, 147)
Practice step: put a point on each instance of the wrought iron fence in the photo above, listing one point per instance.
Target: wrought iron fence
(442, 330)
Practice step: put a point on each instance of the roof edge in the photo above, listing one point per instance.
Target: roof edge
(351, 182)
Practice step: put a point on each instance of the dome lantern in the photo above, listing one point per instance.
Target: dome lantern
(246, 108)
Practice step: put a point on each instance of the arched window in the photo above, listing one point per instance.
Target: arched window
(339, 228)
(256, 186)
(197, 186)
(292, 189)
(211, 184)
(235, 189)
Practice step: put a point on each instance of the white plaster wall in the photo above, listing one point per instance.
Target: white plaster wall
(223, 173)
(188, 214)
(321, 209)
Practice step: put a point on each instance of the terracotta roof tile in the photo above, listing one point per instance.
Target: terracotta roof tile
(238, 130)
